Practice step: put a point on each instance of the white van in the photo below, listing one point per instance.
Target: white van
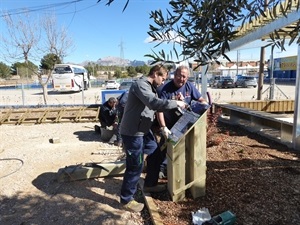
(69, 77)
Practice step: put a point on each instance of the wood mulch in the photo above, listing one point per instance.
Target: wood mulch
(255, 178)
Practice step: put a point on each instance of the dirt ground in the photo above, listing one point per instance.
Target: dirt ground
(255, 178)
(29, 192)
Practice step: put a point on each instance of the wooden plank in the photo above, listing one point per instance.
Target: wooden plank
(197, 160)
(6, 116)
(83, 172)
(23, 117)
(43, 116)
(153, 209)
(176, 169)
(60, 114)
(186, 186)
(79, 113)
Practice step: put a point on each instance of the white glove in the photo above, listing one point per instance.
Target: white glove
(165, 132)
(181, 104)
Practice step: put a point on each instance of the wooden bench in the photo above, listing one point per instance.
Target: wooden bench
(258, 121)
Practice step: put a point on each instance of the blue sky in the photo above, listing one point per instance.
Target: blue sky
(98, 30)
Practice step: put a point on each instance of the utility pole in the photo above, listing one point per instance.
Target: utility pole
(261, 73)
(261, 68)
(121, 45)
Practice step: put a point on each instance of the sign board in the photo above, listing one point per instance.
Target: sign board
(285, 63)
(185, 122)
(106, 94)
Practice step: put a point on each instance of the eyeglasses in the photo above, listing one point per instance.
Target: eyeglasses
(181, 76)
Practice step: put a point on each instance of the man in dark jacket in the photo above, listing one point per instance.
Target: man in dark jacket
(137, 137)
(108, 116)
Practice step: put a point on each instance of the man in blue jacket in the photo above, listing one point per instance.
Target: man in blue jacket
(178, 88)
(137, 137)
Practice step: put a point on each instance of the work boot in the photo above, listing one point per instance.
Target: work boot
(134, 206)
(155, 189)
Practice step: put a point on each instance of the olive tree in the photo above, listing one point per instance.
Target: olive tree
(203, 29)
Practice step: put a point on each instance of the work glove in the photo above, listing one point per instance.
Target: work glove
(181, 104)
(165, 132)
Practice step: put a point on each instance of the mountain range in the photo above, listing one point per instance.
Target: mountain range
(115, 61)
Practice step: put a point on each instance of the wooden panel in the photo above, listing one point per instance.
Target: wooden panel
(268, 106)
(176, 169)
(197, 160)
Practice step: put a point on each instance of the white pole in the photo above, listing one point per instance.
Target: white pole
(296, 127)
(204, 81)
(23, 94)
(272, 83)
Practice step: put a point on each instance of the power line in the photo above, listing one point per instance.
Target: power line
(61, 5)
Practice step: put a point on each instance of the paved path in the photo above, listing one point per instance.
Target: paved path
(94, 96)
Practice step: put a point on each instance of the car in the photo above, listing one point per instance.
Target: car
(125, 85)
(213, 81)
(112, 84)
(246, 81)
(225, 83)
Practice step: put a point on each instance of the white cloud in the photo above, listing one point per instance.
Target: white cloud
(148, 40)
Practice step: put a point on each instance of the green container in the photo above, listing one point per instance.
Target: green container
(225, 218)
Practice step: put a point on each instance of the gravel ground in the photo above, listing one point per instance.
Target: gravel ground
(28, 168)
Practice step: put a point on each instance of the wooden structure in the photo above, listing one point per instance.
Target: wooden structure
(187, 162)
(267, 118)
(271, 106)
(49, 115)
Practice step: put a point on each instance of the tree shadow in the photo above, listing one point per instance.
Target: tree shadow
(82, 189)
(92, 201)
(88, 136)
